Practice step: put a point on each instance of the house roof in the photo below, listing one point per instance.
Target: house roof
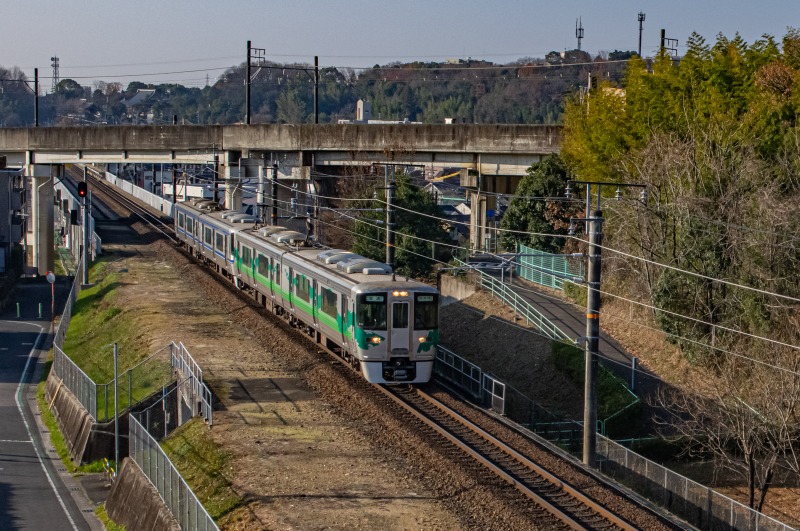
(141, 96)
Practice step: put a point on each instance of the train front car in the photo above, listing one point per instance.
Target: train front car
(396, 331)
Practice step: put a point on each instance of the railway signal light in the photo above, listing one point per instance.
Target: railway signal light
(82, 189)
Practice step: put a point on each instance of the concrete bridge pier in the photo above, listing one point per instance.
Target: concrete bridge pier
(43, 217)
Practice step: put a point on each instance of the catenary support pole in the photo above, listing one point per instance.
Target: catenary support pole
(274, 193)
(247, 89)
(592, 340)
(390, 218)
(316, 89)
(36, 97)
(85, 220)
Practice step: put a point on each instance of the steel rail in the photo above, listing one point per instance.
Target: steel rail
(135, 208)
(567, 489)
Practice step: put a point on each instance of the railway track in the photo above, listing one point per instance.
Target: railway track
(98, 184)
(565, 503)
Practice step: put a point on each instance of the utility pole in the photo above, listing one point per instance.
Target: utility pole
(247, 90)
(390, 187)
(641, 25)
(36, 97)
(316, 89)
(592, 339)
(592, 348)
(274, 193)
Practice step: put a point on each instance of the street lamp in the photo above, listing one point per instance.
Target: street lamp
(594, 227)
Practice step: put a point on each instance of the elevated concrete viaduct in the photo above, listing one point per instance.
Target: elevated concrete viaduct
(493, 157)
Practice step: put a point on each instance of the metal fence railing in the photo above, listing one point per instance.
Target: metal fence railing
(196, 393)
(135, 384)
(547, 269)
(66, 315)
(173, 489)
(77, 381)
(697, 504)
(521, 307)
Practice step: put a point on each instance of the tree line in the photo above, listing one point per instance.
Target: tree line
(526, 91)
(715, 139)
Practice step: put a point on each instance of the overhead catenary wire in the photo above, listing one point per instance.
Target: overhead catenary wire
(602, 356)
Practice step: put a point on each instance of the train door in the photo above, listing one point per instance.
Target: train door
(401, 332)
(314, 296)
(344, 322)
(290, 289)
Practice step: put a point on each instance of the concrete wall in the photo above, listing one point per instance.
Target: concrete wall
(87, 440)
(135, 503)
(453, 289)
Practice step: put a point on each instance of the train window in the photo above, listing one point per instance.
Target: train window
(371, 311)
(263, 265)
(189, 224)
(400, 315)
(329, 302)
(426, 311)
(219, 244)
(181, 220)
(247, 257)
(302, 287)
(208, 235)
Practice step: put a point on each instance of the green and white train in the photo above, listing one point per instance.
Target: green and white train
(385, 327)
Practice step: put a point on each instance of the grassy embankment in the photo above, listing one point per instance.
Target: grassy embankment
(97, 322)
(204, 465)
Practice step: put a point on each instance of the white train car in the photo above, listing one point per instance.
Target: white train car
(385, 327)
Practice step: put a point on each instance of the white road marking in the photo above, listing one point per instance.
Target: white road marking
(13, 441)
(27, 344)
(28, 429)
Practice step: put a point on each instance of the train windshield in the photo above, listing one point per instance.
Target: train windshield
(371, 311)
(426, 311)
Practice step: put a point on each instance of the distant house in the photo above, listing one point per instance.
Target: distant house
(141, 96)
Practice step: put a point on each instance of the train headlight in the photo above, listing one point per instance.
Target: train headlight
(375, 340)
(422, 339)
(400, 293)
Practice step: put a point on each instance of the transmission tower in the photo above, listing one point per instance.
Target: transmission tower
(579, 32)
(54, 64)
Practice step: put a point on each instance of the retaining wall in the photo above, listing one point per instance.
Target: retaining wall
(452, 289)
(86, 439)
(135, 503)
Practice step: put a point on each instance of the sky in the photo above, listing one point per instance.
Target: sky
(183, 41)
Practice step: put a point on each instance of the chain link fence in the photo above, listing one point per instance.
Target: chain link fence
(697, 504)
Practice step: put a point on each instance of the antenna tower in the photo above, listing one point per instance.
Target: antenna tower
(641, 21)
(579, 32)
(54, 64)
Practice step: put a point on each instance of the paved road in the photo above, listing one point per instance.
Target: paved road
(573, 322)
(32, 495)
